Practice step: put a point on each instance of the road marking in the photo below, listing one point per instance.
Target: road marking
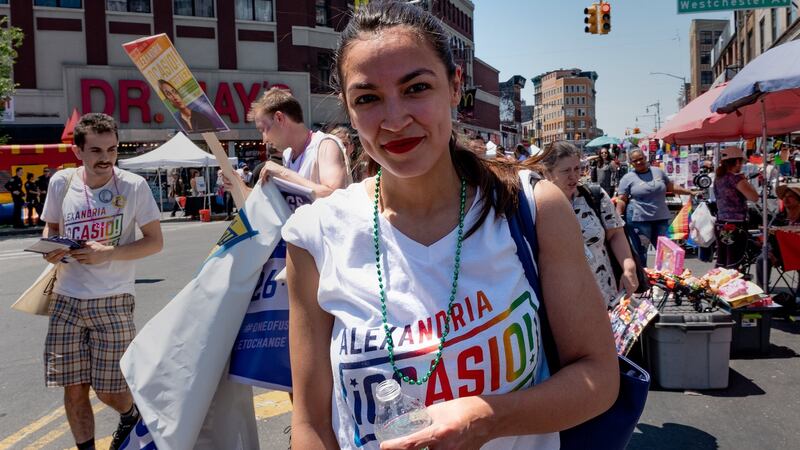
(63, 428)
(270, 404)
(30, 429)
(17, 255)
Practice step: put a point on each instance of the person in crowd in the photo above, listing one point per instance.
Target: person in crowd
(785, 168)
(91, 317)
(248, 176)
(796, 159)
(604, 171)
(478, 146)
(315, 160)
(42, 183)
(176, 190)
(198, 184)
(520, 153)
(562, 164)
(641, 200)
(225, 194)
(357, 165)
(14, 187)
(431, 218)
(790, 195)
(31, 197)
(190, 118)
(731, 191)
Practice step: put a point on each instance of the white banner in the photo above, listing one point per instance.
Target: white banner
(175, 366)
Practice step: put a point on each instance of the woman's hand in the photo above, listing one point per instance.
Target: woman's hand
(629, 281)
(460, 424)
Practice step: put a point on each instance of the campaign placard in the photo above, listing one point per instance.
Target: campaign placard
(171, 79)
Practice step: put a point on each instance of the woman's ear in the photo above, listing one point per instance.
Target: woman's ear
(456, 86)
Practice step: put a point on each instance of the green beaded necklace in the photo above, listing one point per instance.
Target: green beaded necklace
(375, 239)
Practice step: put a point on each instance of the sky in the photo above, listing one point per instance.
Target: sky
(531, 37)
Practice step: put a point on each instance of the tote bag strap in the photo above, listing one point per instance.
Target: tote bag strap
(523, 229)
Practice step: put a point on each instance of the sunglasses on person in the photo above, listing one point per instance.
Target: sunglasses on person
(637, 160)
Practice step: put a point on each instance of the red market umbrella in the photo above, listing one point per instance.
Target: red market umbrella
(697, 124)
(693, 123)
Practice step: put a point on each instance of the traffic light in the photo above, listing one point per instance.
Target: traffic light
(605, 18)
(591, 19)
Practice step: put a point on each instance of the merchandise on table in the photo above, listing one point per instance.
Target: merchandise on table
(628, 319)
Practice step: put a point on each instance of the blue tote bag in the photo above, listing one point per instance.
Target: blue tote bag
(613, 428)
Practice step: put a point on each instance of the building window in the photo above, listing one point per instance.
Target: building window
(322, 12)
(705, 58)
(773, 20)
(761, 36)
(706, 38)
(196, 8)
(324, 63)
(136, 6)
(258, 10)
(706, 77)
(58, 3)
(583, 124)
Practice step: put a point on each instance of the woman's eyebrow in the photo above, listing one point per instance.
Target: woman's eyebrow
(404, 79)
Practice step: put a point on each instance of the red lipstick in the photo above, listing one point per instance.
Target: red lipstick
(402, 145)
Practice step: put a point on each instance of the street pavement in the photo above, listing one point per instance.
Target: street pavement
(758, 409)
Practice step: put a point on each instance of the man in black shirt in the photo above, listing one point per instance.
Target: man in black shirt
(43, 182)
(14, 186)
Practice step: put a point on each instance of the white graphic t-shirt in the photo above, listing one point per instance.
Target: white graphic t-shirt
(96, 215)
(493, 347)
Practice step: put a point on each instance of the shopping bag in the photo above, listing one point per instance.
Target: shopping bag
(36, 299)
(701, 226)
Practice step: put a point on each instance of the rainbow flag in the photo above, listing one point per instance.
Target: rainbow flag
(679, 228)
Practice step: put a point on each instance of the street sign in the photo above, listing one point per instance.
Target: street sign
(701, 6)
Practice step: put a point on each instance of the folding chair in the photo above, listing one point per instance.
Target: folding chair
(789, 245)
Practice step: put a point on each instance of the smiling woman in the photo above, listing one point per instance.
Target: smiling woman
(389, 277)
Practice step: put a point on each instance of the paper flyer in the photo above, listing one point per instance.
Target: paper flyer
(171, 79)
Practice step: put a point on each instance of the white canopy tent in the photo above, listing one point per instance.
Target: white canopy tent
(177, 152)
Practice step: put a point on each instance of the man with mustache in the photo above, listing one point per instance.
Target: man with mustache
(91, 317)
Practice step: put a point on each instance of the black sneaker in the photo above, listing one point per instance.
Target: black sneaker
(119, 436)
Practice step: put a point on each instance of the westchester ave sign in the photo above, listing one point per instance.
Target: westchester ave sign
(700, 6)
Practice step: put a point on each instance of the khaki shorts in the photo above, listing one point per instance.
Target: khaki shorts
(86, 339)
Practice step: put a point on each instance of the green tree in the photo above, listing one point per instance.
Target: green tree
(10, 39)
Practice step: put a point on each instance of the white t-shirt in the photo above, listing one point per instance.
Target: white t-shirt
(101, 221)
(494, 343)
(306, 164)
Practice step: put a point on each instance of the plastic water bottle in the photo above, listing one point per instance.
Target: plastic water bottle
(397, 414)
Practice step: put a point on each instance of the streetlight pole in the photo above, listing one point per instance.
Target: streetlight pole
(683, 85)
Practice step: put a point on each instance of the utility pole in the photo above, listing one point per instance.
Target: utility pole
(657, 105)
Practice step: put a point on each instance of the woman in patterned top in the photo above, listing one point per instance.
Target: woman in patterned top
(732, 192)
(561, 164)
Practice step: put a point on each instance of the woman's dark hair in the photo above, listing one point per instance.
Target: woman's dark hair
(497, 179)
(28, 176)
(554, 153)
(725, 166)
(602, 160)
